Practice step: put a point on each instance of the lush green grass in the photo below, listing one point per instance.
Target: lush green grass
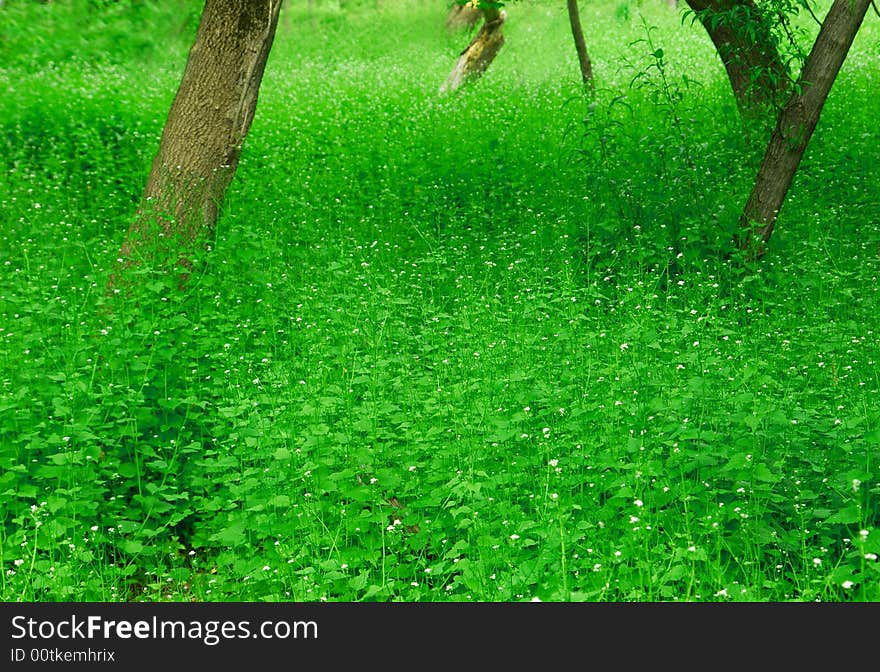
(508, 311)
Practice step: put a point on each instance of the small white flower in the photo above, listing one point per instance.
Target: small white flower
(639, 503)
(847, 584)
(514, 537)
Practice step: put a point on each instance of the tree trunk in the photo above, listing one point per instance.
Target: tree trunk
(480, 53)
(203, 135)
(745, 44)
(461, 17)
(577, 32)
(796, 123)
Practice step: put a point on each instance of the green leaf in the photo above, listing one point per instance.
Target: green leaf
(231, 536)
(280, 501)
(872, 542)
(282, 454)
(762, 473)
(847, 516)
(675, 573)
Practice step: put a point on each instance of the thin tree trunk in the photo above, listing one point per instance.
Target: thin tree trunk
(285, 16)
(577, 32)
(203, 135)
(480, 53)
(796, 123)
(745, 44)
(462, 17)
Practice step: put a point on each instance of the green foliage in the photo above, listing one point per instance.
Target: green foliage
(434, 360)
(35, 34)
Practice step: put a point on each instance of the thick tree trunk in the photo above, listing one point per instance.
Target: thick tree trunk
(745, 44)
(577, 32)
(203, 135)
(461, 17)
(796, 123)
(480, 53)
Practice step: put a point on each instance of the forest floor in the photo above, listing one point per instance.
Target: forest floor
(481, 347)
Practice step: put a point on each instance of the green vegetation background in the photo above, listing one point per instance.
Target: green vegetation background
(483, 347)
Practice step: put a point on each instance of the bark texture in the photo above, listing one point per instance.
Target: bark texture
(203, 134)
(480, 53)
(745, 44)
(796, 123)
(580, 45)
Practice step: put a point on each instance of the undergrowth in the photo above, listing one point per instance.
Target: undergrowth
(485, 347)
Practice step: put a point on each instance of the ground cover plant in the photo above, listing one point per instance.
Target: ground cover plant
(494, 345)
